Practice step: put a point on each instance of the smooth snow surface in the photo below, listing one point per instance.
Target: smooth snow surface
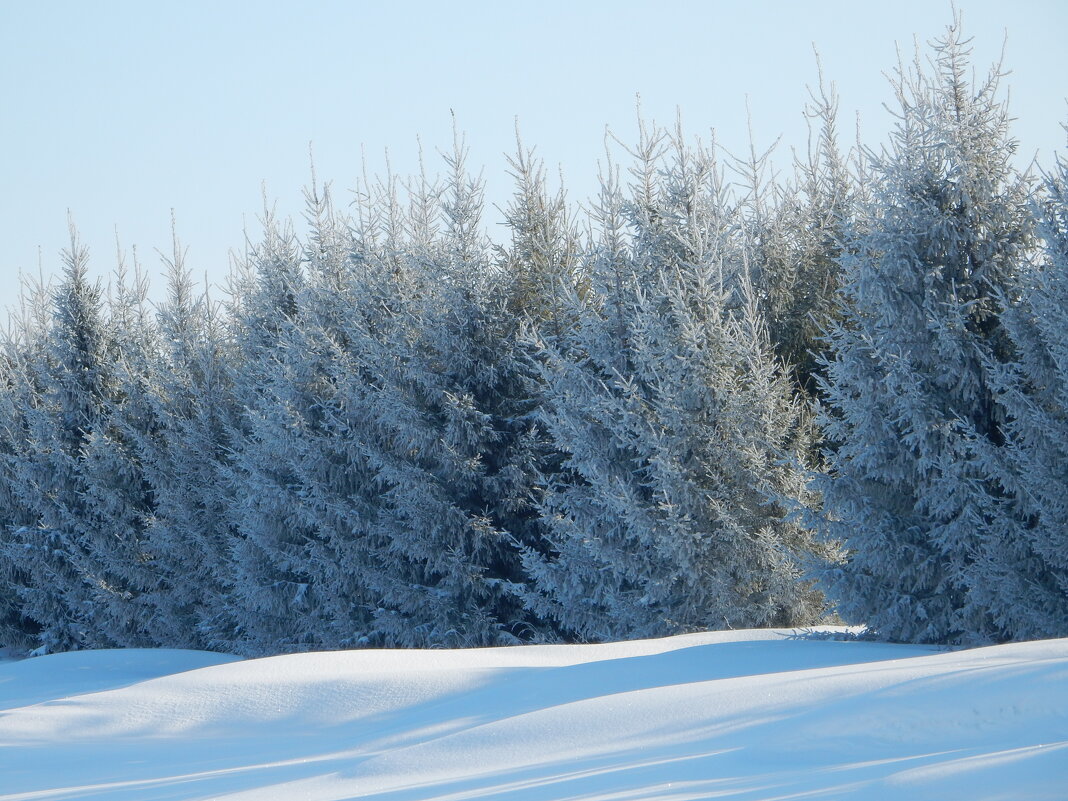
(727, 715)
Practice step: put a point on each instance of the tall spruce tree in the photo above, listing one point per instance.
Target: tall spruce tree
(437, 425)
(795, 244)
(543, 260)
(676, 423)
(269, 594)
(936, 244)
(18, 393)
(117, 500)
(1020, 573)
(64, 383)
(184, 452)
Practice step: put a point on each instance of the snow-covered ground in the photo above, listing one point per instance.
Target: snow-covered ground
(727, 715)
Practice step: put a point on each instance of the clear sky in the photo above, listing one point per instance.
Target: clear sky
(122, 111)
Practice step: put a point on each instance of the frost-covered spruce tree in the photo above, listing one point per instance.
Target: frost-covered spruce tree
(117, 500)
(450, 461)
(309, 522)
(795, 243)
(18, 393)
(1020, 573)
(183, 454)
(937, 242)
(276, 600)
(543, 259)
(269, 595)
(676, 424)
(14, 628)
(64, 382)
(326, 455)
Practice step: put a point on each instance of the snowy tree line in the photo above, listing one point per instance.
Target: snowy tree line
(711, 400)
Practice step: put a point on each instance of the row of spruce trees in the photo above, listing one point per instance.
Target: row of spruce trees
(703, 403)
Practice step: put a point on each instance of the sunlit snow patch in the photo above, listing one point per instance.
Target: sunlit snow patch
(735, 715)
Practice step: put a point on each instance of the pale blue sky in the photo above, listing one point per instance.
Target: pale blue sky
(121, 111)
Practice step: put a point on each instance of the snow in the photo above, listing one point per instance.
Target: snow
(728, 715)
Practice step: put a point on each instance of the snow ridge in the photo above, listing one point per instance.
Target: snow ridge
(738, 715)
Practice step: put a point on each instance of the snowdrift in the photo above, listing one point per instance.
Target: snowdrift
(727, 715)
